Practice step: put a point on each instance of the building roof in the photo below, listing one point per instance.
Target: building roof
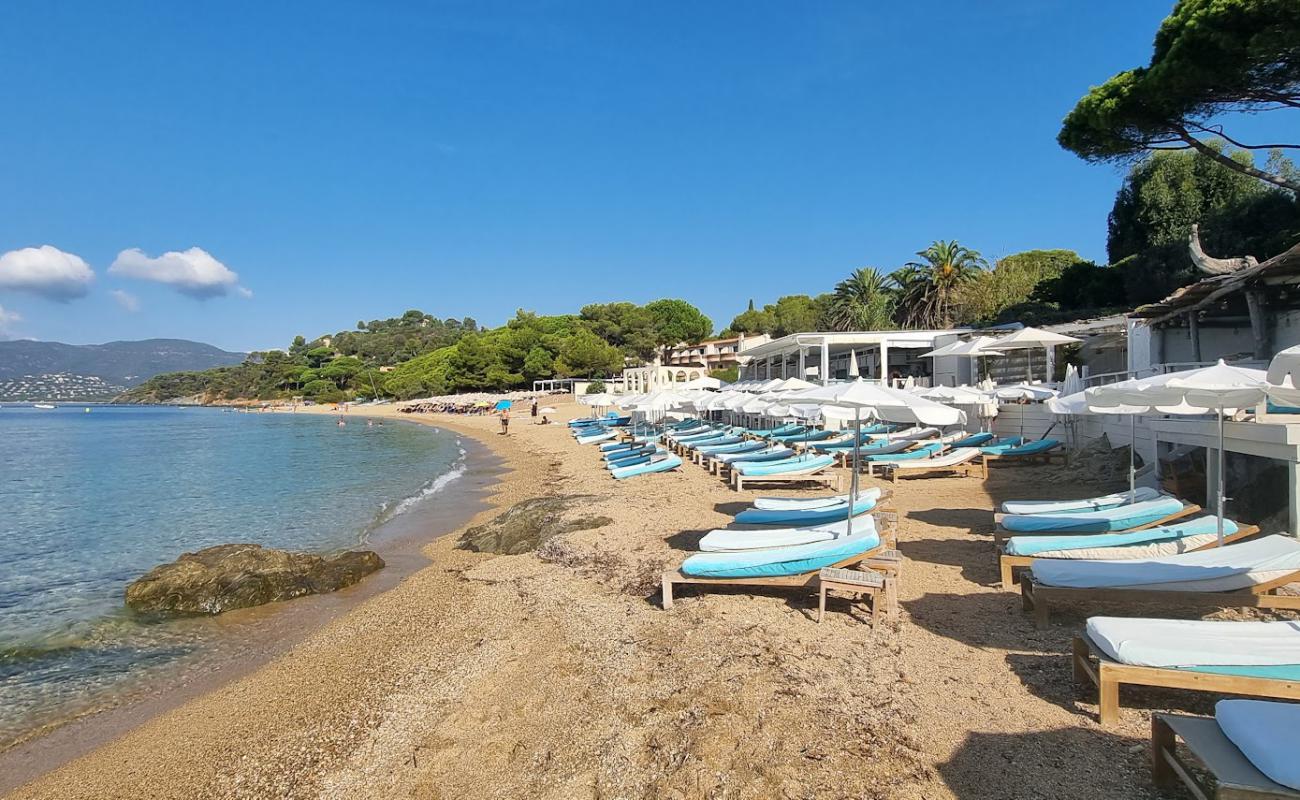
(844, 340)
(1283, 268)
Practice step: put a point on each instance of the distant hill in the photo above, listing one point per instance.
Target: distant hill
(118, 364)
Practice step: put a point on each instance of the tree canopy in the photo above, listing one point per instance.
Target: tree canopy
(1211, 58)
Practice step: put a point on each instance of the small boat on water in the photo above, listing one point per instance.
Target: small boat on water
(45, 406)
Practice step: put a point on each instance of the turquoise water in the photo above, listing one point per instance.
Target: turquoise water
(90, 501)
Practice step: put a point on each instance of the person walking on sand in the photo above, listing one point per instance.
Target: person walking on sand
(505, 422)
(534, 409)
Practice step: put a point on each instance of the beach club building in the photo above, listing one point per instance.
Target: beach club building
(823, 357)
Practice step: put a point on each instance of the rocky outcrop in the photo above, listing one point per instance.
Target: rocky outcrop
(232, 576)
(525, 526)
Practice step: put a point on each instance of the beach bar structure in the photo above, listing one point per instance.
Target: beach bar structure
(870, 355)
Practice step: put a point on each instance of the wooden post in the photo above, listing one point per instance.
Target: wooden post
(1194, 332)
(1258, 324)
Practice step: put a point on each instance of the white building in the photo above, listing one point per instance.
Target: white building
(868, 354)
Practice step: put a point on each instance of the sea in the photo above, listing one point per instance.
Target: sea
(92, 499)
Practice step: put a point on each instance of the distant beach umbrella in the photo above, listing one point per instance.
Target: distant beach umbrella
(502, 405)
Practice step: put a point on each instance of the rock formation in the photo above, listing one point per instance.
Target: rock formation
(230, 576)
(525, 526)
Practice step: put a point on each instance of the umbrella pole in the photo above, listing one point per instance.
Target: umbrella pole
(853, 481)
(1221, 478)
(1132, 470)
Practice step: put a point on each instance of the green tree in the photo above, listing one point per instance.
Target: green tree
(587, 355)
(677, 321)
(1166, 193)
(794, 313)
(752, 320)
(1012, 281)
(862, 302)
(929, 290)
(539, 364)
(1212, 58)
(627, 326)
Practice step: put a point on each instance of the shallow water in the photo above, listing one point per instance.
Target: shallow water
(90, 501)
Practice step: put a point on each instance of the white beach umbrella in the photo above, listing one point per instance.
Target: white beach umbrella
(1030, 338)
(598, 400)
(854, 372)
(792, 385)
(1025, 391)
(1220, 389)
(1072, 383)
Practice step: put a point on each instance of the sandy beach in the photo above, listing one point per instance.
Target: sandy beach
(562, 677)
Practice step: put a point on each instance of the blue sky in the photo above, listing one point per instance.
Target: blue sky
(351, 161)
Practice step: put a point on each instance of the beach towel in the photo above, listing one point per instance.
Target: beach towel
(1222, 569)
(1145, 642)
(1140, 495)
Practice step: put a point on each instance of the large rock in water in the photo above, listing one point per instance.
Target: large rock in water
(231, 576)
(525, 526)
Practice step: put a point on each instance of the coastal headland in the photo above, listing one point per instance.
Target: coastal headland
(556, 674)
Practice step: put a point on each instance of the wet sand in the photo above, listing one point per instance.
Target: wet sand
(561, 677)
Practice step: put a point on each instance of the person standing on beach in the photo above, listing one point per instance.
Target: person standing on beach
(505, 422)
(534, 409)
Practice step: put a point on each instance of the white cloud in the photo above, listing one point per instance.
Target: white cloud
(193, 272)
(7, 320)
(126, 300)
(46, 271)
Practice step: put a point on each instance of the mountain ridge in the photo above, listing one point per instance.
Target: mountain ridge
(120, 363)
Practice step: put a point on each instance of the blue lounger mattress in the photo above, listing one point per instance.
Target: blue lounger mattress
(1140, 495)
(807, 516)
(790, 466)
(1033, 545)
(779, 561)
(1107, 520)
(650, 466)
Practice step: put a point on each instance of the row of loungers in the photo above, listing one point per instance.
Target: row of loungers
(1184, 565)
(746, 457)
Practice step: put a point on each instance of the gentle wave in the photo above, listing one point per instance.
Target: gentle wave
(389, 512)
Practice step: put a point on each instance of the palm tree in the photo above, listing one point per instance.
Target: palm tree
(928, 289)
(862, 302)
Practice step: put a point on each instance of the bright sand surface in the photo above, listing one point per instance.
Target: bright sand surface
(513, 676)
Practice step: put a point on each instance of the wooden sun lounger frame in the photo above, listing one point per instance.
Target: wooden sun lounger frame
(819, 478)
(1001, 534)
(1093, 666)
(1235, 778)
(1038, 599)
(675, 577)
(892, 470)
(1010, 565)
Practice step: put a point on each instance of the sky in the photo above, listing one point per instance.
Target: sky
(238, 173)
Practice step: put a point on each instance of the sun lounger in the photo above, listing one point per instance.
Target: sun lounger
(910, 434)
(639, 458)
(721, 464)
(800, 469)
(1019, 552)
(1005, 443)
(959, 461)
(1241, 575)
(593, 438)
(779, 566)
(816, 515)
(1137, 516)
(1140, 495)
(657, 464)
(783, 503)
(1257, 659)
(1044, 450)
(845, 455)
(1246, 749)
